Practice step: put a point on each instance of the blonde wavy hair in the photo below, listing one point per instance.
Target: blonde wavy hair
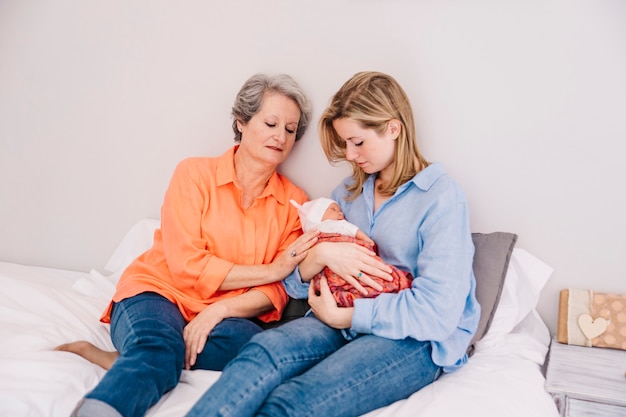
(373, 99)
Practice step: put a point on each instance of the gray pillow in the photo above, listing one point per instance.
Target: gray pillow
(491, 262)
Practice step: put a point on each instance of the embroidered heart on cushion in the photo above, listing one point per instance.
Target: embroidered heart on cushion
(592, 328)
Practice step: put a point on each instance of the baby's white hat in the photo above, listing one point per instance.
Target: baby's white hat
(311, 212)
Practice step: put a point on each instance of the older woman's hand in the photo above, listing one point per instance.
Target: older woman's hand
(196, 332)
(324, 306)
(284, 264)
(354, 263)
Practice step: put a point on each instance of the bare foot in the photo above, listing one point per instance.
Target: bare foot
(90, 352)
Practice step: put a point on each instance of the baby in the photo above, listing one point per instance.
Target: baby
(326, 216)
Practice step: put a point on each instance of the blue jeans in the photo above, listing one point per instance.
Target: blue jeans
(147, 330)
(305, 368)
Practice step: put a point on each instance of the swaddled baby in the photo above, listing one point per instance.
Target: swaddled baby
(325, 214)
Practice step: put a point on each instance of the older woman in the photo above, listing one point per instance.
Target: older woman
(228, 237)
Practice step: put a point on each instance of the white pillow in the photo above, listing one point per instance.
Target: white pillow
(138, 240)
(526, 276)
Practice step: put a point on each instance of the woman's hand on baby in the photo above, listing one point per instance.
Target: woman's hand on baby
(355, 264)
(295, 253)
(196, 332)
(324, 306)
(362, 236)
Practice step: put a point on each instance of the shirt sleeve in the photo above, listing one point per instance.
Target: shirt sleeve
(294, 286)
(277, 295)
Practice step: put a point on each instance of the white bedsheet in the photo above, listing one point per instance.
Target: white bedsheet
(41, 308)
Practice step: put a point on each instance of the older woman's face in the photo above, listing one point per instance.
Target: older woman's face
(270, 134)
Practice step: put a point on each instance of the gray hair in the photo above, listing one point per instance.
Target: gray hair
(250, 98)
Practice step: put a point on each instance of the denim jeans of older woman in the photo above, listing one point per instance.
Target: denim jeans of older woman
(305, 368)
(147, 330)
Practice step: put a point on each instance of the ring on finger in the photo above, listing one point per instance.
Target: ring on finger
(360, 275)
(293, 253)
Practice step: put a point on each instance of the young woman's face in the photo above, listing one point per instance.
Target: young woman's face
(369, 150)
(271, 133)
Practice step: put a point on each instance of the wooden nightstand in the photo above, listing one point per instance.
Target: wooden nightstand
(587, 381)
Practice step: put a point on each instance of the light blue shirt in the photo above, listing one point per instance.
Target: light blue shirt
(423, 229)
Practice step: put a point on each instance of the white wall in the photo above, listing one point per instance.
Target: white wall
(523, 101)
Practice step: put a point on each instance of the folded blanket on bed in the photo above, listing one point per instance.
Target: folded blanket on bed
(588, 318)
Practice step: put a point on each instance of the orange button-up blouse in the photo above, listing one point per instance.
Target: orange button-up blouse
(205, 231)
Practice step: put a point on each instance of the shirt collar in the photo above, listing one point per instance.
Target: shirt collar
(422, 180)
(226, 167)
(428, 176)
(226, 174)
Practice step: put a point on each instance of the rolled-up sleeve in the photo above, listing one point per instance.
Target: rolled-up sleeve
(294, 286)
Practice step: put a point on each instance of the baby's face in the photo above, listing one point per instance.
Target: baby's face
(333, 212)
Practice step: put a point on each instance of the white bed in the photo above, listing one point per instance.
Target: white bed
(41, 308)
